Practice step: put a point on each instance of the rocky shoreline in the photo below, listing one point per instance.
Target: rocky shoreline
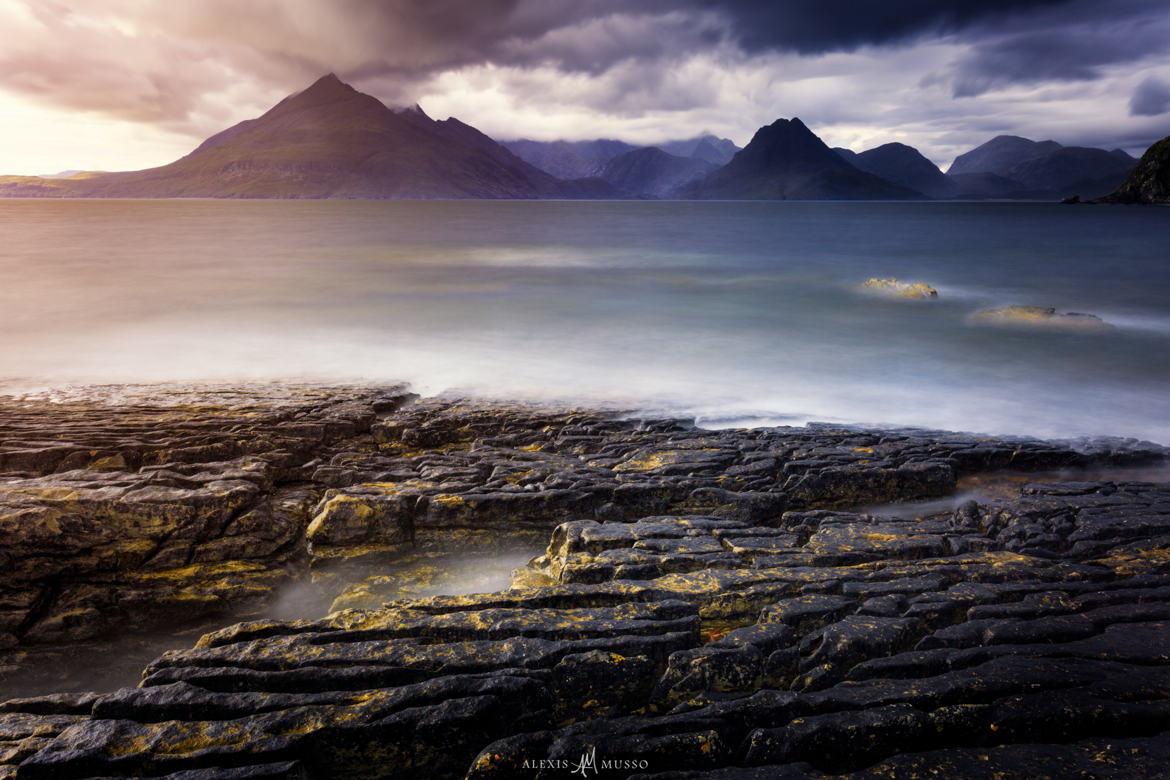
(743, 603)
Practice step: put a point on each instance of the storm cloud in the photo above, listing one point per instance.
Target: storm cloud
(818, 26)
(646, 70)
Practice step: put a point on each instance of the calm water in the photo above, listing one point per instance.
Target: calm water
(732, 311)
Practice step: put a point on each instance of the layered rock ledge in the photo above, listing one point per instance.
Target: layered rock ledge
(748, 603)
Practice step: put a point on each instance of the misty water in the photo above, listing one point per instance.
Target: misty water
(737, 313)
(116, 661)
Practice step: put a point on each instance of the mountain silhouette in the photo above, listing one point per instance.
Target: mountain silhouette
(904, 165)
(1040, 169)
(787, 161)
(332, 141)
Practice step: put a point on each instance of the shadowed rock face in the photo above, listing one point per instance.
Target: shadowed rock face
(708, 601)
(1150, 180)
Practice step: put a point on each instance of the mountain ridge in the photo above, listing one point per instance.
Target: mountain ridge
(330, 140)
(1045, 168)
(589, 158)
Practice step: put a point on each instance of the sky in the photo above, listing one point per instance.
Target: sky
(130, 84)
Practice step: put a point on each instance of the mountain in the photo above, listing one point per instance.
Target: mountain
(713, 149)
(786, 161)
(1149, 182)
(1045, 169)
(1074, 170)
(654, 173)
(569, 159)
(904, 165)
(576, 159)
(331, 141)
(586, 186)
(1000, 154)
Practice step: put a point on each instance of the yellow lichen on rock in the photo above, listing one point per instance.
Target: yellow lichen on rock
(1128, 563)
(448, 500)
(893, 288)
(1038, 316)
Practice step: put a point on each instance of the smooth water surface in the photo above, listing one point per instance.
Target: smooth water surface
(737, 312)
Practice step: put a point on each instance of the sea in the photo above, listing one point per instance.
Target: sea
(734, 313)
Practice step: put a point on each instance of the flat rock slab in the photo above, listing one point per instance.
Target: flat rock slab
(707, 602)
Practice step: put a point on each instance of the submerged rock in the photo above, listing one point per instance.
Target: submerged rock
(1039, 316)
(892, 288)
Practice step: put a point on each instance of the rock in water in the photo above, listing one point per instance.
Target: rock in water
(1039, 316)
(893, 288)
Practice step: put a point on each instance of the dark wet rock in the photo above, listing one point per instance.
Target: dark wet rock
(1115, 756)
(1149, 181)
(739, 603)
(834, 741)
(147, 507)
(807, 613)
(838, 486)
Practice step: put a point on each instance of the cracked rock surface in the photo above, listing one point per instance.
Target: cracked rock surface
(736, 604)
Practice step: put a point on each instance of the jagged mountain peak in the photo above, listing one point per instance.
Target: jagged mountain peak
(328, 87)
(414, 110)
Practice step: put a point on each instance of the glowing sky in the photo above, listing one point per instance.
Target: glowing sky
(126, 84)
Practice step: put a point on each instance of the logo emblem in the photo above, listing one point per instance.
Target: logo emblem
(587, 763)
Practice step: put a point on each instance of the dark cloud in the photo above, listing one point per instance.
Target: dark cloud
(1076, 53)
(1152, 97)
(817, 26)
(174, 53)
(1035, 58)
(195, 66)
(1075, 42)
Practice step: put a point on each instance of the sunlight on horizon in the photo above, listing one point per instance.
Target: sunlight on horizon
(39, 140)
